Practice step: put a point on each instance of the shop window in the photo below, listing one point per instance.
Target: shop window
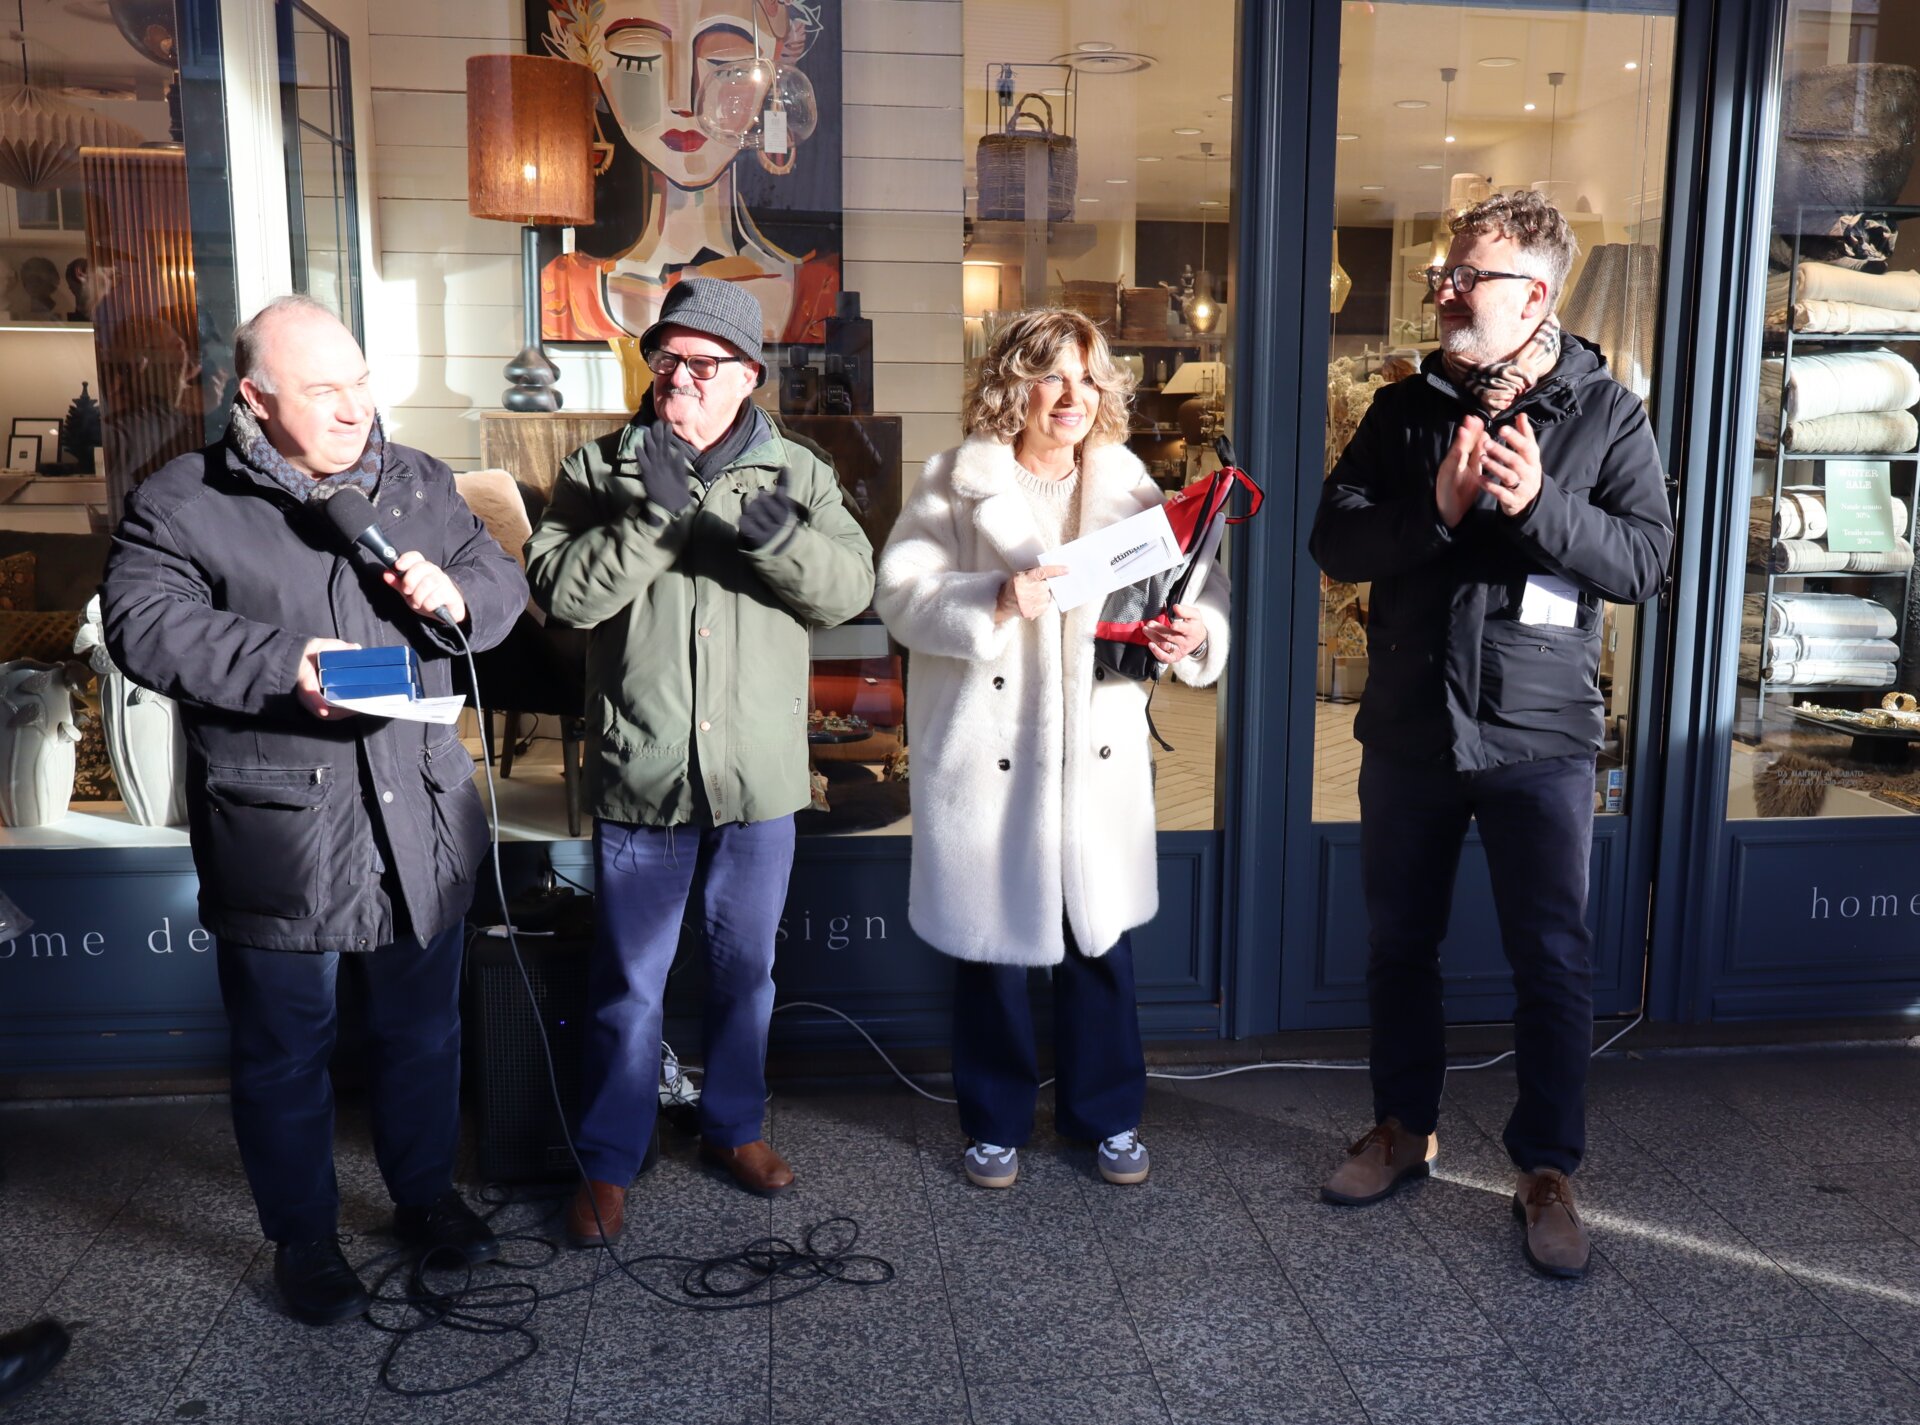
(886, 233)
(323, 222)
(1441, 104)
(1829, 658)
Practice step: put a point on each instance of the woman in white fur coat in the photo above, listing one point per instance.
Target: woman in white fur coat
(1033, 825)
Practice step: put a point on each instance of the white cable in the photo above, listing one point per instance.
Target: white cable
(1186, 1078)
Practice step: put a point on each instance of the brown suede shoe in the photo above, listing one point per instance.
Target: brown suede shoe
(1386, 1156)
(1555, 1242)
(755, 1166)
(584, 1229)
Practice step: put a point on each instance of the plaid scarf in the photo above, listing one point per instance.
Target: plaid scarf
(250, 445)
(1497, 385)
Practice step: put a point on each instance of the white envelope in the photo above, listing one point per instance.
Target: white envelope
(1137, 548)
(1550, 602)
(397, 705)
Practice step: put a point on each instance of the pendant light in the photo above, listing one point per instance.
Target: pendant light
(41, 135)
(1202, 311)
(759, 104)
(1342, 283)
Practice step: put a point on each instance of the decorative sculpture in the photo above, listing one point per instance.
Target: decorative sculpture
(37, 737)
(146, 741)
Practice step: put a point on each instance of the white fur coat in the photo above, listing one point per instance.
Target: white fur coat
(1032, 779)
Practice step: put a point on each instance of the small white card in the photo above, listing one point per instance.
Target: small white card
(1137, 548)
(1550, 601)
(441, 710)
(773, 131)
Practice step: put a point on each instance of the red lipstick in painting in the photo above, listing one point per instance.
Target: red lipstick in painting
(683, 140)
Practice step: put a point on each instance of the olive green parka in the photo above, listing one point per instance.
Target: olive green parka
(698, 650)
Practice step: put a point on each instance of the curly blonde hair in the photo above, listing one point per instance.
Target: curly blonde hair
(1030, 346)
(1529, 220)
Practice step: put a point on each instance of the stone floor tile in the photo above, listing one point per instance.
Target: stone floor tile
(1720, 1292)
(1025, 1313)
(1528, 1309)
(1186, 1215)
(106, 1377)
(30, 1270)
(1398, 1299)
(1633, 1381)
(690, 1367)
(1100, 1400)
(1791, 1205)
(1837, 1381)
(1872, 1286)
(1225, 1327)
(1473, 1390)
(860, 1355)
(1309, 1393)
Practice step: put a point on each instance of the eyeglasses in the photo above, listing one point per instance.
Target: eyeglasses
(1466, 278)
(703, 368)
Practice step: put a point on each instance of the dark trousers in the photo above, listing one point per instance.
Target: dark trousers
(1099, 1066)
(281, 1012)
(645, 876)
(1536, 821)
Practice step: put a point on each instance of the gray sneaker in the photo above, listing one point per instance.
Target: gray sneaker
(1123, 1158)
(989, 1165)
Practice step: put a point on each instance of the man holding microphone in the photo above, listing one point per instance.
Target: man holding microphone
(323, 840)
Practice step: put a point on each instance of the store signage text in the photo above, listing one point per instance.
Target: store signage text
(53, 944)
(1872, 907)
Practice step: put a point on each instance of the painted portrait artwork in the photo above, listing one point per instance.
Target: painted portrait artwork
(671, 199)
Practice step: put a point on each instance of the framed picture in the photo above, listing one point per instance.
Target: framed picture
(45, 430)
(771, 221)
(23, 452)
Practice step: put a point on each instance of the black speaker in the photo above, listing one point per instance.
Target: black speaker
(521, 1136)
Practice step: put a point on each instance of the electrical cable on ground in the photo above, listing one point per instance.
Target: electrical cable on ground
(731, 1281)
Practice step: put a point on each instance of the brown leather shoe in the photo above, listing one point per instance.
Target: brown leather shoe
(1555, 1242)
(1386, 1156)
(755, 1166)
(584, 1229)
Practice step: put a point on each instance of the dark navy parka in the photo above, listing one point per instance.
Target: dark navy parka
(307, 834)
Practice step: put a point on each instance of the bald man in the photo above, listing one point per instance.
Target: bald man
(326, 842)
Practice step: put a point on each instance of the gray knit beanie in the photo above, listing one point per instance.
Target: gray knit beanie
(719, 309)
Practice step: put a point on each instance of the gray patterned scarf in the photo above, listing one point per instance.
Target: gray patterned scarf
(249, 443)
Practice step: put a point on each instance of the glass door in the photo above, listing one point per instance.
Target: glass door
(1441, 104)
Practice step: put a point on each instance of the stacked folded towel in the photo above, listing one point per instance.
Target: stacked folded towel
(1809, 640)
(1788, 537)
(1825, 282)
(1841, 383)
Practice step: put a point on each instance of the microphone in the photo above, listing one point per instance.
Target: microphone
(353, 518)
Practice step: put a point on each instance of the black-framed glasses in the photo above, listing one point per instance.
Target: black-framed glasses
(703, 368)
(1466, 278)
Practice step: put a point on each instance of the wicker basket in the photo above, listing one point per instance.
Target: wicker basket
(1000, 166)
(1143, 313)
(1093, 300)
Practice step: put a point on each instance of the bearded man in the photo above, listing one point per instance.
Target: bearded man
(1494, 502)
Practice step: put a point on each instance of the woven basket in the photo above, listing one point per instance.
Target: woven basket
(1000, 165)
(1093, 300)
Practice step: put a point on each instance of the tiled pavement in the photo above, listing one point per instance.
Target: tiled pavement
(1756, 1216)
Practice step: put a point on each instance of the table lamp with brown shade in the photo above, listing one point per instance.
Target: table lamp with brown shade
(530, 161)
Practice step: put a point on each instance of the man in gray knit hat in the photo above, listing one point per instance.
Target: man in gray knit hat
(701, 546)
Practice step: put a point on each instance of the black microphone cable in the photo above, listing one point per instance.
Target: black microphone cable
(732, 1281)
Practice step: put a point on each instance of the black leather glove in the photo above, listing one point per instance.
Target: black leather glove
(663, 462)
(768, 518)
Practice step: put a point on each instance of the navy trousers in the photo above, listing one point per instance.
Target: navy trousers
(645, 878)
(1100, 1067)
(1536, 821)
(283, 1022)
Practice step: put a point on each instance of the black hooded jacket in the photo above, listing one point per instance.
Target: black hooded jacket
(1452, 673)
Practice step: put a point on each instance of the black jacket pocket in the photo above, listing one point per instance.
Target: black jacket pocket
(266, 839)
(459, 821)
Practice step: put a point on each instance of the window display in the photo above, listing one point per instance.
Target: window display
(1828, 665)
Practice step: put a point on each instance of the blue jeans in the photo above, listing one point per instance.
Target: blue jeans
(645, 877)
(1536, 821)
(1099, 1065)
(280, 1008)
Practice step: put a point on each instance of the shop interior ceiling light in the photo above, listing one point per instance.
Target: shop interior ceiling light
(41, 134)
